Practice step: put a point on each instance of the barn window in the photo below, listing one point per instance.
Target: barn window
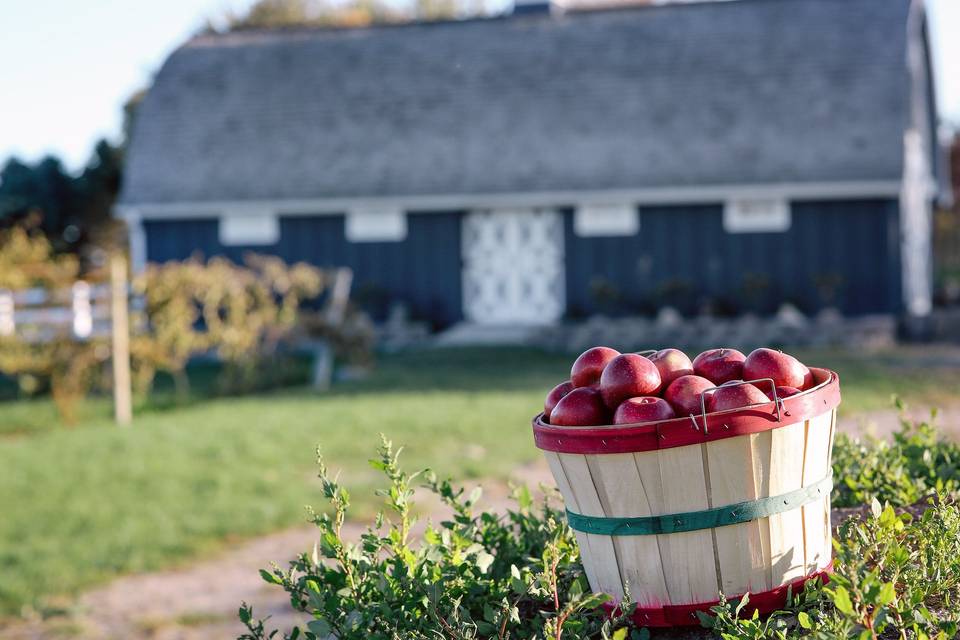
(376, 224)
(249, 229)
(592, 220)
(756, 215)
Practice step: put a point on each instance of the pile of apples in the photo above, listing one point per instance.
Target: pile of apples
(609, 387)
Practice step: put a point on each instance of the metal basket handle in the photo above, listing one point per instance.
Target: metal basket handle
(777, 402)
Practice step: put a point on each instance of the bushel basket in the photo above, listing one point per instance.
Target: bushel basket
(683, 510)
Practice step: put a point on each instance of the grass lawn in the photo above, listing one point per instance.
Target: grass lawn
(83, 504)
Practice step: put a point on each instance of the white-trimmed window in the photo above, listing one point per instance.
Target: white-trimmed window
(593, 220)
(249, 229)
(756, 215)
(376, 224)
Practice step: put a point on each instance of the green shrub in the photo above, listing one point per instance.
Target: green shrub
(895, 577)
(918, 463)
(518, 575)
(476, 575)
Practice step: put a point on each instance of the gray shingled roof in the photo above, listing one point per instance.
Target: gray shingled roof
(748, 91)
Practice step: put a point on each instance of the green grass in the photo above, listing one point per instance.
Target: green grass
(86, 503)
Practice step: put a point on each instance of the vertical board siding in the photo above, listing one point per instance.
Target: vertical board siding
(684, 247)
(422, 271)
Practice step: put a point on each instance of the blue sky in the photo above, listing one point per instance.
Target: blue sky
(68, 65)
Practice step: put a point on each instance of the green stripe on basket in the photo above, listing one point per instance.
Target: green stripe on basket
(707, 519)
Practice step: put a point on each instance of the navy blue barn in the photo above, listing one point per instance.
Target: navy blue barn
(525, 168)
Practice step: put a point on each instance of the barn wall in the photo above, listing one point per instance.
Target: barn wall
(423, 270)
(683, 257)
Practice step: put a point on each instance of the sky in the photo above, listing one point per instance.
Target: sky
(69, 65)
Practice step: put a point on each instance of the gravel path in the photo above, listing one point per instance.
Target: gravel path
(201, 600)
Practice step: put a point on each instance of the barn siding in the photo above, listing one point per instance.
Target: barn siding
(423, 270)
(682, 256)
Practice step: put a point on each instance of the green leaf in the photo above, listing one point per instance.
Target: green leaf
(475, 495)
(319, 627)
(620, 634)
(743, 602)
(888, 593)
(642, 634)
(269, 577)
(706, 621)
(804, 619)
(484, 560)
(841, 600)
(575, 590)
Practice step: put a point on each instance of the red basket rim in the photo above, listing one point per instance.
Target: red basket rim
(680, 432)
(685, 615)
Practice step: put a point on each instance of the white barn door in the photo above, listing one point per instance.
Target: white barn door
(513, 266)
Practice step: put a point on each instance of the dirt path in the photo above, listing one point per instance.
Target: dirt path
(201, 600)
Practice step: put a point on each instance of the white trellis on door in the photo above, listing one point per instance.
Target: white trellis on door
(513, 266)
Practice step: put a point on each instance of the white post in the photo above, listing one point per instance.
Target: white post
(340, 295)
(82, 317)
(7, 321)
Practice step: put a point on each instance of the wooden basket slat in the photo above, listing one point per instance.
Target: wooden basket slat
(742, 549)
(570, 500)
(606, 566)
(786, 529)
(815, 515)
(624, 493)
(688, 557)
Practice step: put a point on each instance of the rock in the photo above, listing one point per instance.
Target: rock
(791, 317)
(669, 317)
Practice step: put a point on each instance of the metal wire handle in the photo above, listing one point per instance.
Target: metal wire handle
(777, 402)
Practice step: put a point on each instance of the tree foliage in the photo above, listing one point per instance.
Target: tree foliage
(350, 13)
(240, 314)
(67, 208)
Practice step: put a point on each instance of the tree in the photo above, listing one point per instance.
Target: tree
(45, 193)
(66, 208)
(352, 13)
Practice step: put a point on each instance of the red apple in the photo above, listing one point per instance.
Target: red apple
(684, 393)
(554, 397)
(735, 397)
(587, 368)
(582, 407)
(807, 377)
(782, 392)
(783, 369)
(671, 363)
(627, 376)
(645, 409)
(719, 365)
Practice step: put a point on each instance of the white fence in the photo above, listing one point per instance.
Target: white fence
(84, 311)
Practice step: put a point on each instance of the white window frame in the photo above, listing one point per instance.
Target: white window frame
(249, 229)
(763, 214)
(596, 219)
(376, 224)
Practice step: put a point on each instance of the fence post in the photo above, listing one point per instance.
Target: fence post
(80, 307)
(120, 336)
(7, 319)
